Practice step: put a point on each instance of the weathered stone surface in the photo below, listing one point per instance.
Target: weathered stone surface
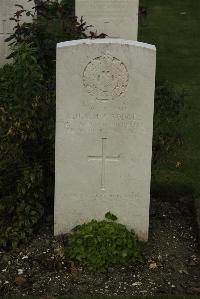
(116, 18)
(3, 49)
(104, 125)
(7, 10)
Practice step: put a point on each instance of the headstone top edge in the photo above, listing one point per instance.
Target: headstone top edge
(106, 41)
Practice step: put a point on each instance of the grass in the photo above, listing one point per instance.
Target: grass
(174, 27)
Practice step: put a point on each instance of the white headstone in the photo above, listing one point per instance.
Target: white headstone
(104, 126)
(116, 18)
(7, 10)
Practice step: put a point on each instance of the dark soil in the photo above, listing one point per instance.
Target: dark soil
(171, 263)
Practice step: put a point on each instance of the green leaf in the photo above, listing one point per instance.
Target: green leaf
(110, 216)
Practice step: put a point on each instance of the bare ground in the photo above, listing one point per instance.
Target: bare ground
(171, 262)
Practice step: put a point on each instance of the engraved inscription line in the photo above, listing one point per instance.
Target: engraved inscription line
(103, 158)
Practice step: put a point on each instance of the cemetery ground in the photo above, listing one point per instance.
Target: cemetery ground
(170, 262)
(170, 259)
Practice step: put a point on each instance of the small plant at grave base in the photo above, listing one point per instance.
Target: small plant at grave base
(99, 245)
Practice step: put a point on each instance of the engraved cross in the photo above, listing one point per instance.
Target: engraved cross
(103, 158)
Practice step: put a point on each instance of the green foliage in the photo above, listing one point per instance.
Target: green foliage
(169, 104)
(110, 216)
(27, 146)
(27, 119)
(53, 22)
(99, 245)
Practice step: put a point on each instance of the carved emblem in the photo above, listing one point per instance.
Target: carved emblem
(105, 77)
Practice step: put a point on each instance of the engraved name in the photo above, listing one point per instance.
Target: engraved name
(93, 122)
(90, 116)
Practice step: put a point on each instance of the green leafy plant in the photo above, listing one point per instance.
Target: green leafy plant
(27, 117)
(53, 22)
(27, 146)
(99, 245)
(110, 216)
